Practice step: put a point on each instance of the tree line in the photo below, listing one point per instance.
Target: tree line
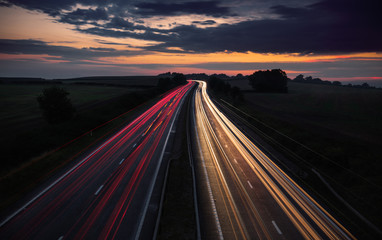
(56, 106)
(309, 79)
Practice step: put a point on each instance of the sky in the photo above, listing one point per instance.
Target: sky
(331, 39)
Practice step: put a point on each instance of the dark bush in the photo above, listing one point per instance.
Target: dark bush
(55, 105)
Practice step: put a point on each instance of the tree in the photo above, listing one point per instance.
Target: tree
(337, 83)
(299, 78)
(275, 80)
(55, 105)
(165, 84)
(179, 79)
(239, 75)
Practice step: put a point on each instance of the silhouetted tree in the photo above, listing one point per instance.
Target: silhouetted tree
(179, 79)
(299, 78)
(337, 83)
(55, 105)
(275, 80)
(309, 79)
(165, 84)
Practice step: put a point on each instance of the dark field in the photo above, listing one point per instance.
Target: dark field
(342, 124)
(354, 113)
(133, 81)
(29, 145)
(18, 104)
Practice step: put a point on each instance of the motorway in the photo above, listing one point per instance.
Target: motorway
(243, 194)
(106, 195)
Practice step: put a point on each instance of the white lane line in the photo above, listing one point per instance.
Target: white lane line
(62, 177)
(99, 189)
(123, 159)
(151, 186)
(212, 200)
(60, 238)
(277, 228)
(249, 183)
(134, 145)
(235, 160)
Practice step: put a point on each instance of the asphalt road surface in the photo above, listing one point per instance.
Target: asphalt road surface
(106, 195)
(242, 193)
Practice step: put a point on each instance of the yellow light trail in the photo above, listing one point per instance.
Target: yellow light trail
(297, 204)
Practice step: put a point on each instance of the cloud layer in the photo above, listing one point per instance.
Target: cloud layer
(327, 26)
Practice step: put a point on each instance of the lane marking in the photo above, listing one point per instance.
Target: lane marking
(134, 145)
(151, 186)
(249, 183)
(123, 159)
(212, 200)
(60, 238)
(63, 176)
(99, 189)
(147, 129)
(277, 228)
(235, 160)
(158, 125)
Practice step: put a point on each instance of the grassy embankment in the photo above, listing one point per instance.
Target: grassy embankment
(29, 144)
(344, 126)
(178, 213)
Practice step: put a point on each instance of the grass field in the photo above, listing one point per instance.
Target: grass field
(142, 81)
(29, 145)
(23, 127)
(18, 103)
(342, 124)
(354, 113)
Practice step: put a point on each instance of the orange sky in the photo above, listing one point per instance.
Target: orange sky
(19, 23)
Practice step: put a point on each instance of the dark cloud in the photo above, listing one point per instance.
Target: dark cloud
(4, 3)
(207, 22)
(328, 26)
(209, 8)
(325, 27)
(83, 16)
(29, 46)
(53, 8)
(111, 43)
(119, 23)
(148, 34)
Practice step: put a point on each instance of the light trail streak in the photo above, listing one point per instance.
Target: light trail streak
(120, 167)
(308, 217)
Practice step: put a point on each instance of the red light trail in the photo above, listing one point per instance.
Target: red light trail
(102, 192)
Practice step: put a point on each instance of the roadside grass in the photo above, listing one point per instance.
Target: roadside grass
(139, 81)
(178, 213)
(25, 134)
(341, 124)
(18, 101)
(19, 181)
(30, 146)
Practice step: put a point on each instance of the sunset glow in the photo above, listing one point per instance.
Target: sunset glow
(218, 37)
